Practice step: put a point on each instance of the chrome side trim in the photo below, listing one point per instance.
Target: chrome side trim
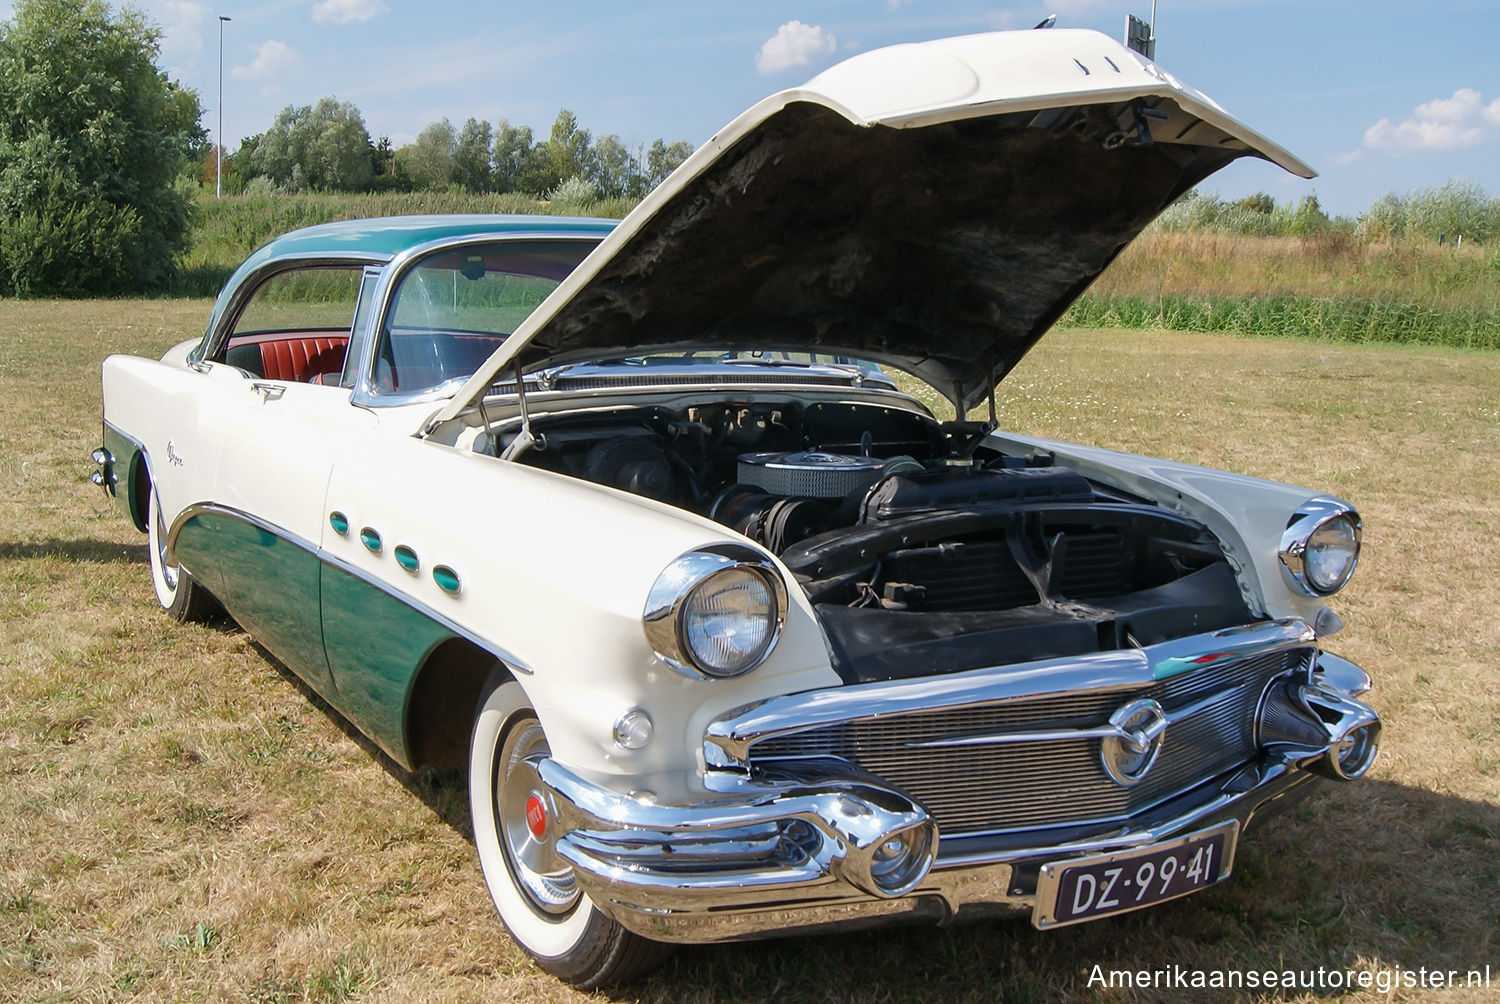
(447, 623)
(727, 741)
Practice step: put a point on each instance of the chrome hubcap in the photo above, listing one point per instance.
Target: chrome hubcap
(525, 826)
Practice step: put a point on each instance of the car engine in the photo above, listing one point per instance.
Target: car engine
(922, 550)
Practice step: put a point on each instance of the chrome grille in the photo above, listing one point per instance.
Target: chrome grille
(1052, 782)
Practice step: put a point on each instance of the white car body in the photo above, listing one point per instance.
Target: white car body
(424, 551)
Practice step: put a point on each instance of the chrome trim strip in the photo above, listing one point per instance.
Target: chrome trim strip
(727, 740)
(126, 436)
(229, 512)
(1108, 731)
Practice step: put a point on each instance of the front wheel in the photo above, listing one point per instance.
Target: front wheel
(535, 891)
(182, 598)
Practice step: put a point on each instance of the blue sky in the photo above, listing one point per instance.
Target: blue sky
(1378, 96)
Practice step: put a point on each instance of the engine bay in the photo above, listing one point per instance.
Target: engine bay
(923, 550)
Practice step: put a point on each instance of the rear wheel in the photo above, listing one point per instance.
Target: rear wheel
(535, 891)
(181, 597)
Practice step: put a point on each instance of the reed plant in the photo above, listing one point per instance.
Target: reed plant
(1330, 285)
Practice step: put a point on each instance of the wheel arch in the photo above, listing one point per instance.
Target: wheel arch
(444, 698)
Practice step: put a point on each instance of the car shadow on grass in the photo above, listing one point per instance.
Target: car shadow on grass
(1374, 876)
(99, 552)
(443, 791)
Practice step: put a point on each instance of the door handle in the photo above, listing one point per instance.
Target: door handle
(268, 391)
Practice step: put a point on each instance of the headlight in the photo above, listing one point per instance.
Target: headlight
(713, 615)
(1320, 548)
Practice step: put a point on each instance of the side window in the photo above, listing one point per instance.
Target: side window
(453, 309)
(296, 325)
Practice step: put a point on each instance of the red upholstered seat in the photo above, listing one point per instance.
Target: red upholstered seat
(299, 359)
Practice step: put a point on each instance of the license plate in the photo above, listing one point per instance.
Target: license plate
(1070, 892)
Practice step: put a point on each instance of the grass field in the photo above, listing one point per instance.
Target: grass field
(1329, 286)
(179, 820)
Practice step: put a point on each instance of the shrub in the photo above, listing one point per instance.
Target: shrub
(92, 140)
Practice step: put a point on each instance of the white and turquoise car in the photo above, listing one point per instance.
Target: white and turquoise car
(734, 638)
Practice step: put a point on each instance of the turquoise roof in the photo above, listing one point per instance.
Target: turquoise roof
(379, 240)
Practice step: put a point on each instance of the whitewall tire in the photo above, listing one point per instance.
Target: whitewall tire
(181, 597)
(533, 890)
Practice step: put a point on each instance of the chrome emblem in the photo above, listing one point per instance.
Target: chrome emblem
(1139, 730)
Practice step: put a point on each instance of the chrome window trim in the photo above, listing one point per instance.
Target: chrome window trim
(1309, 517)
(333, 561)
(727, 740)
(223, 321)
(366, 395)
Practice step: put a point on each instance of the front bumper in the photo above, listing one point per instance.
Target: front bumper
(831, 849)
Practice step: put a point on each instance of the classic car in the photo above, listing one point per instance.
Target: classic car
(735, 637)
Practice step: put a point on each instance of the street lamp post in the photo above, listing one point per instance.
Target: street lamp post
(219, 138)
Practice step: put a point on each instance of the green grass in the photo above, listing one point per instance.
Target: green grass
(1294, 317)
(1329, 286)
(180, 821)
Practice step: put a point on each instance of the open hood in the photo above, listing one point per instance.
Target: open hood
(934, 206)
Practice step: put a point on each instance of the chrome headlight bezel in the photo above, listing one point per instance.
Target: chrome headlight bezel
(665, 624)
(1311, 517)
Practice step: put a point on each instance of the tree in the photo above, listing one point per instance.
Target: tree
(663, 158)
(565, 154)
(471, 157)
(92, 138)
(428, 160)
(322, 146)
(513, 159)
(611, 168)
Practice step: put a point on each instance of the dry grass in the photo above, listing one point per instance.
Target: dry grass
(1332, 265)
(180, 821)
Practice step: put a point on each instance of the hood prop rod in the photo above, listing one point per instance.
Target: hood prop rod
(524, 440)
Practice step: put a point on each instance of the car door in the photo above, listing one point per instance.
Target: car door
(265, 529)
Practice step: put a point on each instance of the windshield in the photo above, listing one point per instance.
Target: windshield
(454, 308)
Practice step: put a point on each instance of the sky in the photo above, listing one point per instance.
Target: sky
(1378, 96)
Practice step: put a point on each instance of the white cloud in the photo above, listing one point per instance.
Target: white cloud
(794, 44)
(344, 11)
(1443, 124)
(182, 29)
(273, 60)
